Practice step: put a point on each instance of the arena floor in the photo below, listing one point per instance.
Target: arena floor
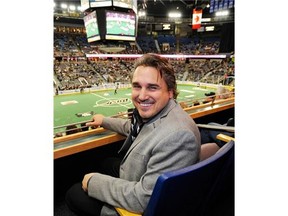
(75, 108)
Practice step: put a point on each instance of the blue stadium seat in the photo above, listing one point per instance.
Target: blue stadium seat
(203, 189)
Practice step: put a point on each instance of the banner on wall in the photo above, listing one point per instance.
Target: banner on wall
(196, 19)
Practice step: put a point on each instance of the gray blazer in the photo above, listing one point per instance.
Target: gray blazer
(170, 141)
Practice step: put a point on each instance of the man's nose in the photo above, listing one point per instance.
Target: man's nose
(143, 94)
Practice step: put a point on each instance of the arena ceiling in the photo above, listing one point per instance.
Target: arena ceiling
(161, 8)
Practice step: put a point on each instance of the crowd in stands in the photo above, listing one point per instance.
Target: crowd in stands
(82, 74)
(76, 44)
(72, 70)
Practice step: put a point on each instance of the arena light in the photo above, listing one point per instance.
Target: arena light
(166, 26)
(209, 28)
(174, 15)
(64, 6)
(142, 13)
(72, 7)
(222, 13)
(205, 20)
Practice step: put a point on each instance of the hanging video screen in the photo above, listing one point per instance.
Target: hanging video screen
(91, 26)
(100, 3)
(120, 26)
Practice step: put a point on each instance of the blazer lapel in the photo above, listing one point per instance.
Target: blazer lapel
(147, 129)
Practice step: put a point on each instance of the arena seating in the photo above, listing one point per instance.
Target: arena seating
(205, 188)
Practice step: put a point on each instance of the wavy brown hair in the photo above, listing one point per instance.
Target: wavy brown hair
(163, 66)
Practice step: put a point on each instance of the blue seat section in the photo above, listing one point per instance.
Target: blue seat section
(205, 188)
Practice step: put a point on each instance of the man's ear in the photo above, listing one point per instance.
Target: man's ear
(171, 94)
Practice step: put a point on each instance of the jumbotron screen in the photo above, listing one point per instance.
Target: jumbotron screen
(129, 4)
(100, 3)
(120, 26)
(123, 3)
(91, 26)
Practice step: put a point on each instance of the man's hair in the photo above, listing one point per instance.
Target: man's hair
(163, 66)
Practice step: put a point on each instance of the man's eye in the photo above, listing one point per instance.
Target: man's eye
(153, 87)
(136, 86)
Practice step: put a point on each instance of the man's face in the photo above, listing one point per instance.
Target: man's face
(149, 91)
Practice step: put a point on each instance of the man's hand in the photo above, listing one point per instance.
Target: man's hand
(85, 181)
(96, 121)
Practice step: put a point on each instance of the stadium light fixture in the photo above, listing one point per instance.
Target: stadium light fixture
(72, 7)
(205, 19)
(222, 13)
(64, 6)
(174, 15)
(142, 13)
(209, 28)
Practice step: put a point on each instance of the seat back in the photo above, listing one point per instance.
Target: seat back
(200, 189)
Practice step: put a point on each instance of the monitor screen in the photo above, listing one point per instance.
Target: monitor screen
(91, 26)
(123, 3)
(120, 26)
(100, 3)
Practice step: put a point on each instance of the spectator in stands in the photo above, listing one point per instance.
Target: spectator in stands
(84, 127)
(222, 92)
(161, 137)
(59, 134)
(210, 97)
(71, 129)
(196, 103)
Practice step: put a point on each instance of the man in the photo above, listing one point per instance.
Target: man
(116, 88)
(161, 137)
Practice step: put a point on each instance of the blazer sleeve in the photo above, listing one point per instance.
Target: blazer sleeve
(174, 151)
(121, 126)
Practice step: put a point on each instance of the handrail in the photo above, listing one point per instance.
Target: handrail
(217, 127)
(85, 143)
(79, 135)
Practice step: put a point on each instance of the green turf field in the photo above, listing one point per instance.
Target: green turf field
(78, 107)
